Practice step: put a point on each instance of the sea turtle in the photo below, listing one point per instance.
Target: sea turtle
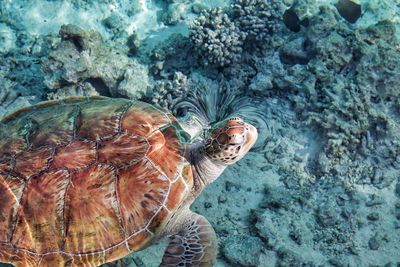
(85, 181)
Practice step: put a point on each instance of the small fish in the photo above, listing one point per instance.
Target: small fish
(292, 21)
(349, 10)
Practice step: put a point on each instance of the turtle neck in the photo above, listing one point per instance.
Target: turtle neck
(205, 170)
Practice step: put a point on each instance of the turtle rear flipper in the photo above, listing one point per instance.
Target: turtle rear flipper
(195, 245)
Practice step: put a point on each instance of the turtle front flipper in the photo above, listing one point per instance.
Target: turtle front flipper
(194, 245)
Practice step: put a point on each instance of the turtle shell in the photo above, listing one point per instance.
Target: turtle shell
(85, 181)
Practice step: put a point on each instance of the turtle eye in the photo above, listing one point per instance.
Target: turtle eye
(181, 112)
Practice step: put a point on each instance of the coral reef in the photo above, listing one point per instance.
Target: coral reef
(258, 19)
(217, 38)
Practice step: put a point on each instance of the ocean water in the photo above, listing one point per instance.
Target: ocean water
(320, 80)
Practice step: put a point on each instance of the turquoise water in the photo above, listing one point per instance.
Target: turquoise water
(318, 79)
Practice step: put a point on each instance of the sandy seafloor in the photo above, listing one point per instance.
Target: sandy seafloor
(322, 185)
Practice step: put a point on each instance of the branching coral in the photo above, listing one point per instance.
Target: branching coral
(216, 38)
(258, 19)
(219, 37)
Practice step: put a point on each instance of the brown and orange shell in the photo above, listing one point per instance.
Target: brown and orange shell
(85, 181)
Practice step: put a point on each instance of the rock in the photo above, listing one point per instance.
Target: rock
(373, 243)
(84, 89)
(337, 262)
(242, 250)
(7, 38)
(293, 52)
(175, 54)
(197, 8)
(397, 214)
(296, 236)
(384, 178)
(261, 83)
(375, 201)
(294, 77)
(133, 43)
(174, 14)
(268, 229)
(11, 99)
(222, 199)
(277, 199)
(328, 216)
(113, 22)
(288, 257)
(229, 186)
(82, 57)
(374, 216)
(207, 205)
(135, 83)
(397, 190)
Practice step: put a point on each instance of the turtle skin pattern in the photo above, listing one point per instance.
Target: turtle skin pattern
(85, 181)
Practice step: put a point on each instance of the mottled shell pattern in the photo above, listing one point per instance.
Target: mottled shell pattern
(84, 181)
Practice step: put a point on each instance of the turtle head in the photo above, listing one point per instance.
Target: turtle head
(230, 141)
